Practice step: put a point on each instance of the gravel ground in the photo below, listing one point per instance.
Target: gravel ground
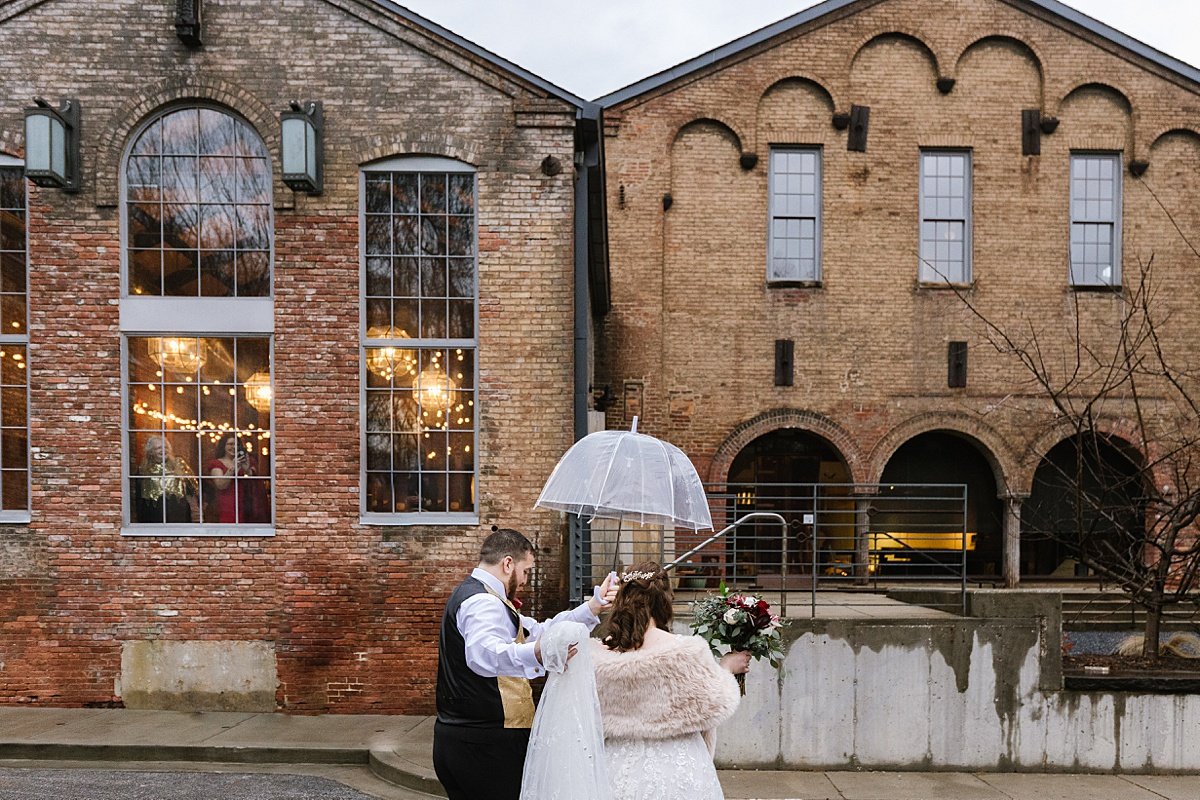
(95, 784)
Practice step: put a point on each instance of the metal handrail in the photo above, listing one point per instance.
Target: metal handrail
(759, 515)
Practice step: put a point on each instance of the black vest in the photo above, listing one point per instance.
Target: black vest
(463, 696)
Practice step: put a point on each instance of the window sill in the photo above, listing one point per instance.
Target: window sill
(944, 286)
(1103, 288)
(795, 285)
(200, 531)
(15, 518)
(419, 518)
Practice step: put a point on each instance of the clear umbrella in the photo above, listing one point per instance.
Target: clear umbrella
(628, 476)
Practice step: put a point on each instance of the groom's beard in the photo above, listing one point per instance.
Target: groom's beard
(512, 587)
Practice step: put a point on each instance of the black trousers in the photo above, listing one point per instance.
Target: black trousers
(479, 763)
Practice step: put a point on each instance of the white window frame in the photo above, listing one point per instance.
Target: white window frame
(190, 317)
(1115, 159)
(13, 517)
(413, 518)
(772, 208)
(926, 272)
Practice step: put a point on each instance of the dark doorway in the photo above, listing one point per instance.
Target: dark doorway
(801, 477)
(1082, 497)
(945, 457)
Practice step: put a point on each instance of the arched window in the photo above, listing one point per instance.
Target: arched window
(197, 319)
(198, 207)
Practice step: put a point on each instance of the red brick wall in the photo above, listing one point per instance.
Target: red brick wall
(352, 610)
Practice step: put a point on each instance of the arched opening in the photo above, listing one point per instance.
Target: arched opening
(1087, 497)
(802, 477)
(929, 519)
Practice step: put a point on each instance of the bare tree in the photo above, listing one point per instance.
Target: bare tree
(1125, 402)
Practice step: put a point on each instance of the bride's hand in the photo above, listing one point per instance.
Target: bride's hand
(571, 651)
(736, 662)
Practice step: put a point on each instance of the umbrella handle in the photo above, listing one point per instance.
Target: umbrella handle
(633, 427)
(617, 545)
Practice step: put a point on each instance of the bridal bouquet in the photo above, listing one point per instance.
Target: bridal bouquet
(740, 622)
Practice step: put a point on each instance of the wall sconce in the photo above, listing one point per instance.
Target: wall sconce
(303, 136)
(52, 145)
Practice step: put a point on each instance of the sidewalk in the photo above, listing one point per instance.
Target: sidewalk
(397, 749)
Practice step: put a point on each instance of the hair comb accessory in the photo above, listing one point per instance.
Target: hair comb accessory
(495, 528)
(626, 577)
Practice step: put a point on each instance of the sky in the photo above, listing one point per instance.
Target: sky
(593, 48)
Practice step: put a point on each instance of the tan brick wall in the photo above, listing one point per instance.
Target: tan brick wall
(352, 610)
(694, 321)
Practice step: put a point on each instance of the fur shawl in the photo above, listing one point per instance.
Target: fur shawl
(665, 692)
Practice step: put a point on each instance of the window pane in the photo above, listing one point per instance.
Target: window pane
(199, 442)
(212, 177)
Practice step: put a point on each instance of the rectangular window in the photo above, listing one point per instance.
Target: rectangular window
(795, 211)
(1095, 219)
(419, 342)
(14, 347)
(945, 217)
(199, 432)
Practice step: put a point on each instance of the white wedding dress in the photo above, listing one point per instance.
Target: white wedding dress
(569, 759)
(566, 758)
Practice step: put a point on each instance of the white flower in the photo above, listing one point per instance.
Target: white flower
(732, 616)
(750, 600)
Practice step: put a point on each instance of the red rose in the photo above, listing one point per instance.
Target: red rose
(516, 603)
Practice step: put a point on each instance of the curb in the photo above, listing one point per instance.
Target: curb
(394, 768)
(152, 752)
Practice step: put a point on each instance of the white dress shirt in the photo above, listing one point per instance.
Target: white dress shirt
(485, 624)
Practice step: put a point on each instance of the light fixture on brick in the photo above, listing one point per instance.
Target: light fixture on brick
(303, 138)
(178, 354)
(52, 145)
(258, 391)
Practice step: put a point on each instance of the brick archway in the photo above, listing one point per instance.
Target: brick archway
(991, 445)
(779, 419)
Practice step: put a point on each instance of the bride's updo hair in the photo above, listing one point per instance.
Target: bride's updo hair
(644, 595)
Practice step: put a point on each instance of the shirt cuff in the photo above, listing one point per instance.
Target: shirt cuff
(526, 657)
(587, 617)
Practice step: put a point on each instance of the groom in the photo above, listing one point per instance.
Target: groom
(486, 655)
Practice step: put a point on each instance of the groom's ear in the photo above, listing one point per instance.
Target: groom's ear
(506, 563)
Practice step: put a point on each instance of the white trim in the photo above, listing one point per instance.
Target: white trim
(10, 161)
(410, 519)
(198, 316)
(419, 164)
(227, 531)
(15, 517)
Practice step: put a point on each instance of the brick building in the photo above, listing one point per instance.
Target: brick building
(796, 218)
(251, 435)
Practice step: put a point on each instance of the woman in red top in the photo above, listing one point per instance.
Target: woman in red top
(231, 462)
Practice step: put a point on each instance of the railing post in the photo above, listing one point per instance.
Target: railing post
(864, 495)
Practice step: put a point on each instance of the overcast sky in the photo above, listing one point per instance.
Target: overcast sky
(593, 48)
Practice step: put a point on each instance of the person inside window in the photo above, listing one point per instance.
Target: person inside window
(167, 489)
(232, 497)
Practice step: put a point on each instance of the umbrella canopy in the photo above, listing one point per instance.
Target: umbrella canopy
(625, 475)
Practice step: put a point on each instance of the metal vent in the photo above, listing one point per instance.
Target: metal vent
(956, 358)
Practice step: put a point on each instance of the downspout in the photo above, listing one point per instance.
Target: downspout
(587, 155)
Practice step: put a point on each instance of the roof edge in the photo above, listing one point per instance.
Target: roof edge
(487, 55)
(1061, 10)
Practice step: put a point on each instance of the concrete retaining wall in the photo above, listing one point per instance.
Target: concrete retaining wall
(978, 693)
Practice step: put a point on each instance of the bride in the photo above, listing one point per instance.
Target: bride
(632, 719)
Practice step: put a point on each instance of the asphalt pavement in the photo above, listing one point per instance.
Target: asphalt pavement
(96, 754)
